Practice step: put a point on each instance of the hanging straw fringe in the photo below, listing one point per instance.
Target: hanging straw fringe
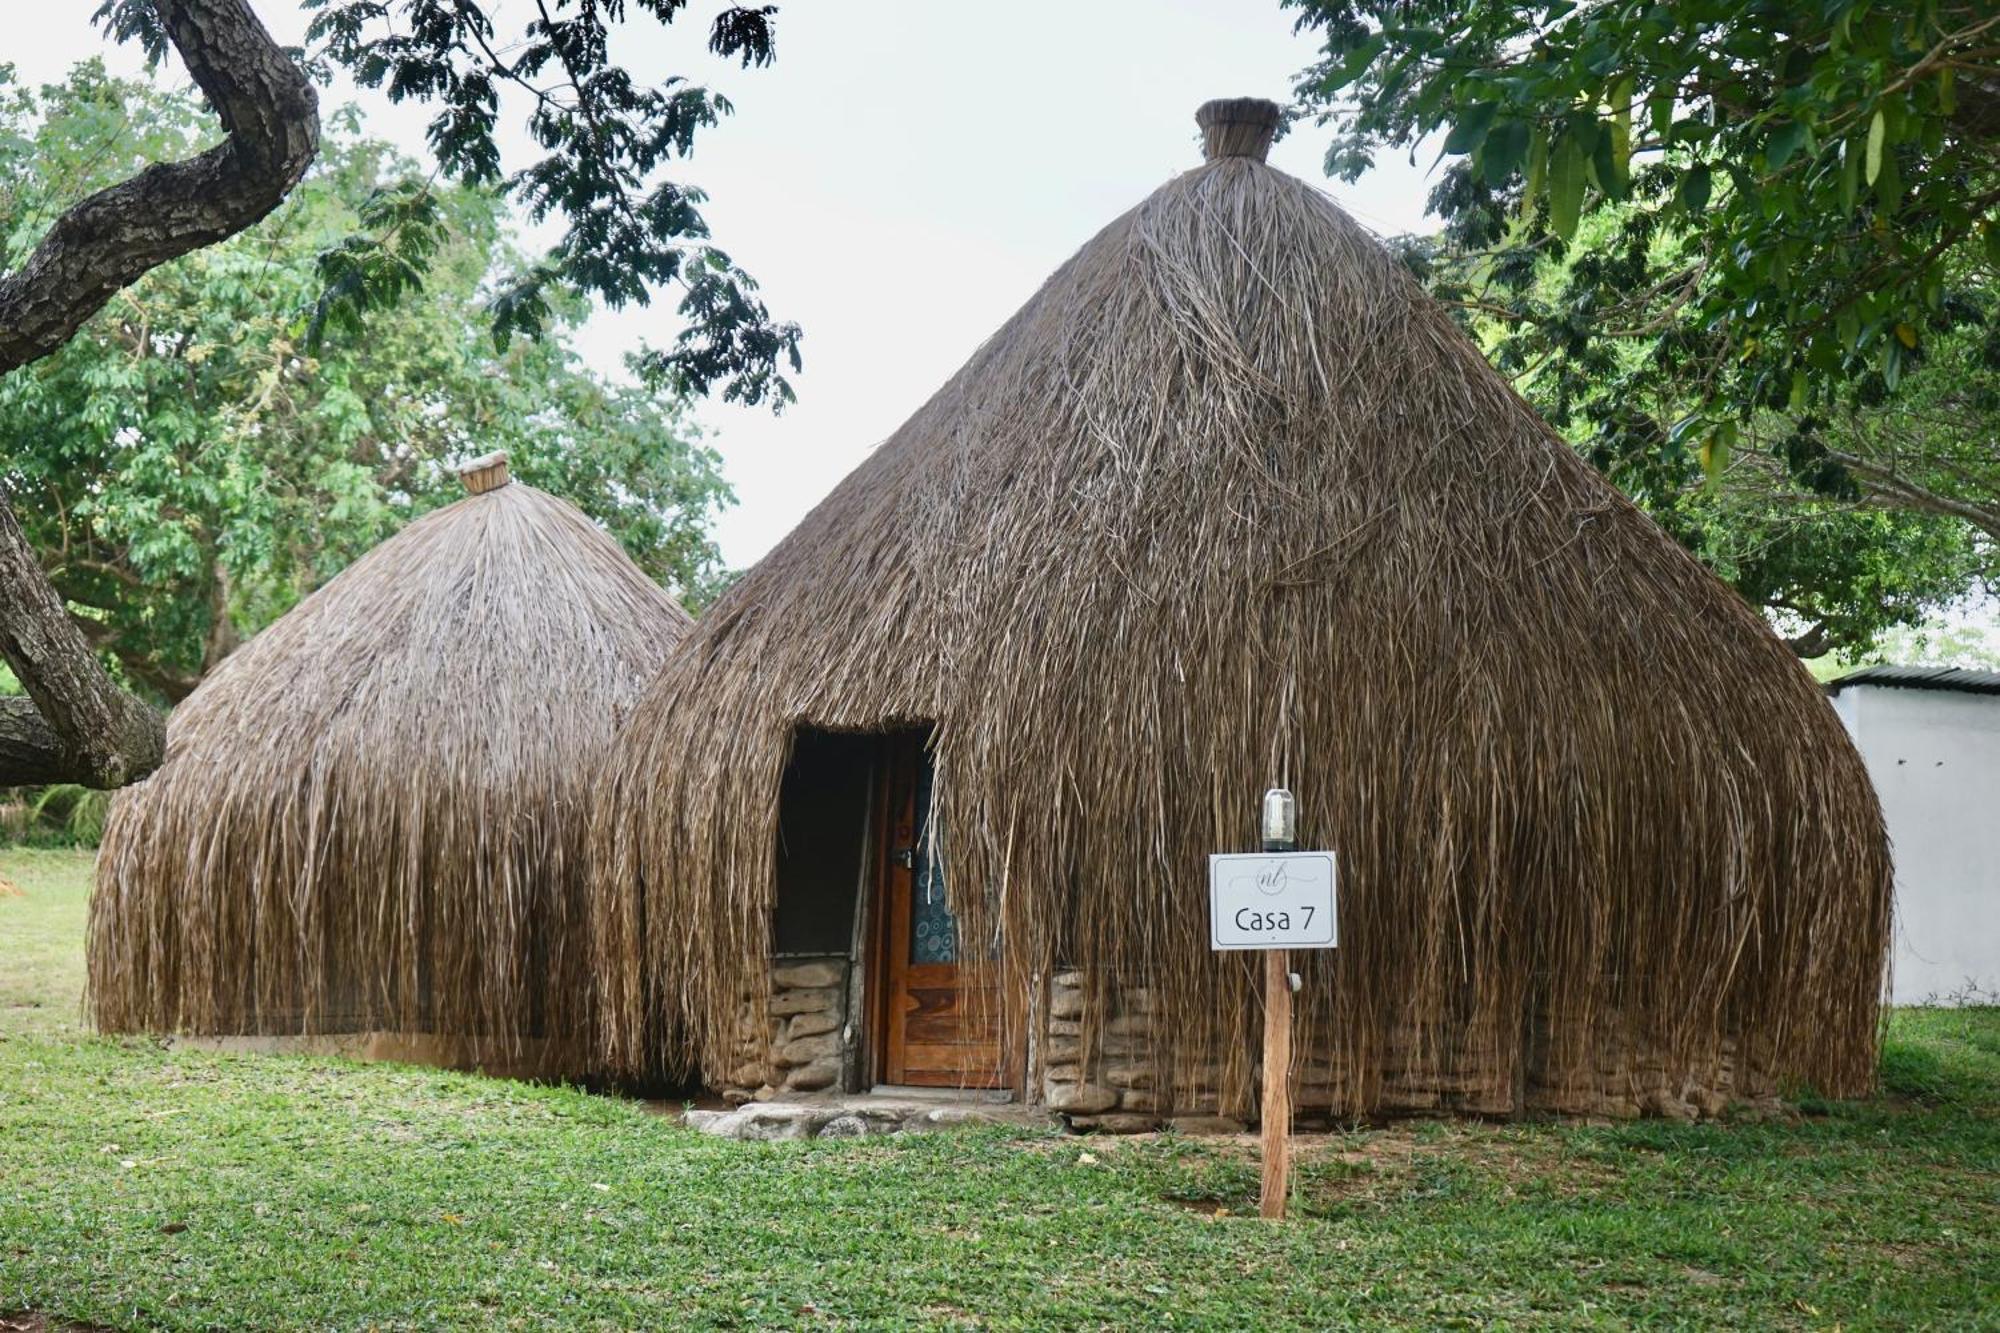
(1232, 499)
(371, 817)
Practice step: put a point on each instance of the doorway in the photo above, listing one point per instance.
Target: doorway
(941, 1022)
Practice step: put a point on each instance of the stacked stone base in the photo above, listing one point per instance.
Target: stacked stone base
(805, 1048)
(1119, 1081)
(1116, 1086)
(1623, 1080)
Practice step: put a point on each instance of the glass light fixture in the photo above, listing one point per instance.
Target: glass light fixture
(1281, 821)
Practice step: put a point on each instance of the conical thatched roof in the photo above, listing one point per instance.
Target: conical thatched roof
(371, 816)
(1230, 503)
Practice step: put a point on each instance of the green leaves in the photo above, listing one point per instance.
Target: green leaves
(1785, 140)
(1807, 179)
(1714, 458)
(1889, 184)
(379, 266)
(242, 423)
(1717, 446)
(606, 143)
(1468, 131)
(1620, 137)
(521, 306)
(1504, 151)
(1567, 169)
(1356, 59)
(1537, 172)
(1694, 187)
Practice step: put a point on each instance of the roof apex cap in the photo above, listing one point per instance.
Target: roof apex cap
(1238, 126)
(488, 472)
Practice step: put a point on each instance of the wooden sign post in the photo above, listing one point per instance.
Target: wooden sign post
(1275, 1186)
(1275, 901)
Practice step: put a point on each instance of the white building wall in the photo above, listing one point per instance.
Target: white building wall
(1935, 759)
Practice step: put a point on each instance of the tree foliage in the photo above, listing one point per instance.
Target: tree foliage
(1747, 243)
(607, 141)
(194, 460)
(1834, 567)
(607, 146)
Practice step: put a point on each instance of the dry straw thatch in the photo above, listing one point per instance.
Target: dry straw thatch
(371, 817)
(1232, 502)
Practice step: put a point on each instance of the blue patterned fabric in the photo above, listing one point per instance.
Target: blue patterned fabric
(933, 931)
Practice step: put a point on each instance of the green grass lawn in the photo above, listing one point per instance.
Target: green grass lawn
(41, 944)
(141, 1187)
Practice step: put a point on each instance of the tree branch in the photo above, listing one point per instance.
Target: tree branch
(31, 754)
(1914, 496)
(113, 238)
(76, 724)
(1815, 642)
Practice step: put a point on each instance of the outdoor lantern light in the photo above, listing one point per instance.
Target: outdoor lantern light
(1281, 820)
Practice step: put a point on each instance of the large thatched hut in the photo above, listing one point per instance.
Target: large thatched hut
(370, 819)
(1232, 503)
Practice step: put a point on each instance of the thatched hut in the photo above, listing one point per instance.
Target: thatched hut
(1232, 503)
(370, 818)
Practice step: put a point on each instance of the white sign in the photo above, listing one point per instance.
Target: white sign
(1271, 900)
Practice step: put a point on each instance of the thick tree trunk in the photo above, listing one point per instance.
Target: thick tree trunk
(76, 725)
(82, 727)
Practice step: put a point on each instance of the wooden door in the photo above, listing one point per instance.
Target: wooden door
(941, 1011)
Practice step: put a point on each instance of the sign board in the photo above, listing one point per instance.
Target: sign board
(1271, 900)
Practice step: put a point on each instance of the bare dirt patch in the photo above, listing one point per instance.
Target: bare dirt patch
(30, 1321)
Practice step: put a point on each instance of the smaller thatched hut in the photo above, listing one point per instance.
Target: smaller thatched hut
(370, 819)
(1232, 503)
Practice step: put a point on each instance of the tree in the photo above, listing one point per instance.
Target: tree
(77, 725)
(187, 469)
(1834, 567)
(1797, 207)
(607, 144)
(1833, 578)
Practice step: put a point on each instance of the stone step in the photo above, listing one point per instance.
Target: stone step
(857, 1117)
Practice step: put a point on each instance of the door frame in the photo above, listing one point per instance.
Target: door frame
(889, 931)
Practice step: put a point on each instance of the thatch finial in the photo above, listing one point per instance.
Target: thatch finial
(1238, 126)
(486, 473)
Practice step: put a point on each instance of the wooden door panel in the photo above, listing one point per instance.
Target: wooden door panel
(941, 1020)
(950, 1028)
(953, 1066)
(949, 1016)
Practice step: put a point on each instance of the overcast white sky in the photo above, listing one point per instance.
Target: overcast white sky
(900, 181)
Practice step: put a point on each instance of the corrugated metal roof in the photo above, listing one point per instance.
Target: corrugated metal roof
(1921, 678)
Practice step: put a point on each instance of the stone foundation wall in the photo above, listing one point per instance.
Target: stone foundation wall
(1622, 1081)
(1117, 1089)
(811, 1047)
(1477, 1071)
(806, 1050)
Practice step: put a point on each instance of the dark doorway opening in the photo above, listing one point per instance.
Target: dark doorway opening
(860, 878)
(825, 813)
